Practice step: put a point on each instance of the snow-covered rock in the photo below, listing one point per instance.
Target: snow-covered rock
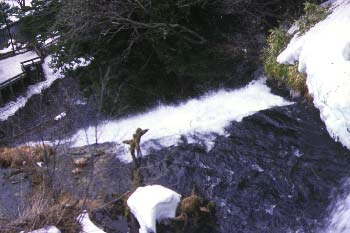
(153, 203)
(87, 225)
(324, 55)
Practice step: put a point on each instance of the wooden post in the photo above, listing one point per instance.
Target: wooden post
(1, 99)
(11, 91)
(9, 32)
(37, 73)
(22, 83)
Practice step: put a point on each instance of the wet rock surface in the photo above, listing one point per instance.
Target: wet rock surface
(13, 193)
(102, 176)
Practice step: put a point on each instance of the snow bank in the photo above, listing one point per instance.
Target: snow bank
(324, 55)
(152, 203)
(11, 108)
(209, 114)
(87, 225)
(10, 67)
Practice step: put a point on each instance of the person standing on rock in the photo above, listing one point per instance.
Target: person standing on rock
(135, 144)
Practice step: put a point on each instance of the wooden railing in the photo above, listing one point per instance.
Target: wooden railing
(31, 62)
(13, 53)
(12, 80)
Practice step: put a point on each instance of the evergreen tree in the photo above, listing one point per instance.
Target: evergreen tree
(5, 12)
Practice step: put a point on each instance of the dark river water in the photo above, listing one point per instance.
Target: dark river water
(277, 171)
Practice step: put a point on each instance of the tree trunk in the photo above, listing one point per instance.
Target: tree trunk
(10, 35)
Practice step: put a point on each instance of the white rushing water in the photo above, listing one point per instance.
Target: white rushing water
(166, 124)
(339, 218)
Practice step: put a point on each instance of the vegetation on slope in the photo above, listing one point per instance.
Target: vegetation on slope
(278, 40)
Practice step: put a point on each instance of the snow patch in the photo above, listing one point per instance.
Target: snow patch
(323, 54)
(60, 116)
(153, 203)
(16, 17)
(47, 229)
(87, 225)
(17, 46)
(14, 3)
(293, 29)
(196, 118)
(78, 62)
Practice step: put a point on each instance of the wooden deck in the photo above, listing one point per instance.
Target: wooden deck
(31, 71)
(31, 64)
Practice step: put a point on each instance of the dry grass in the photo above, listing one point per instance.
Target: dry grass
(23, 155)
(68, 201)
(44, 210)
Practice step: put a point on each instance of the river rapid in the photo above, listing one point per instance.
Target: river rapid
(277, 171)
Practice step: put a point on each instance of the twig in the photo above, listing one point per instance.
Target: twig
(112, 201)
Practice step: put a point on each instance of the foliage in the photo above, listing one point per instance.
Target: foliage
(313, 13)
(162, 51)
(278, 40)
(286, 74)
(41, 20)
(5, 12)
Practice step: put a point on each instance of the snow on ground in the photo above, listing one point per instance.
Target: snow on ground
(153, 203)
(324, 55)
(87, 225)
(15, 3)
(6, 49)
(209, 114)
(15, 45)
(11, 108)
(47, 229)
(11, 66)
(78, 62)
